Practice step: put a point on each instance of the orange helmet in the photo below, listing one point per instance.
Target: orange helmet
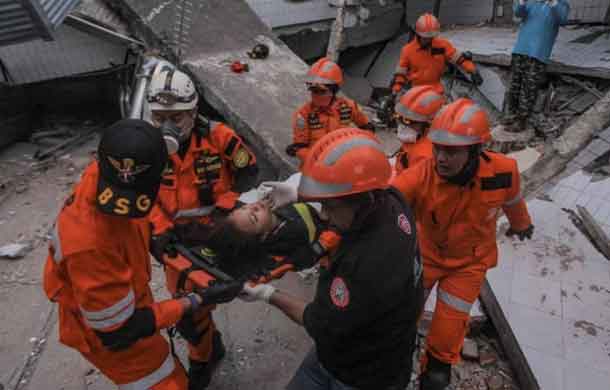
(420, 104)
(427, 26)
(460, 123)
(344, 162)
(324, 71)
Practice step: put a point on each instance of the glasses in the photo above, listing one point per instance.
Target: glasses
(168, 98)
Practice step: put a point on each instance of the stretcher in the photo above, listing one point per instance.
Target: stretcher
(189, 268)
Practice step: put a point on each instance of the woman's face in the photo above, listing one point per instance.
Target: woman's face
(254, 218)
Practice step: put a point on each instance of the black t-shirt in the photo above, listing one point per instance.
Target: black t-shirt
(363, 317)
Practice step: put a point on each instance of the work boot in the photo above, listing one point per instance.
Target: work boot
(200, 373)
(437, 375)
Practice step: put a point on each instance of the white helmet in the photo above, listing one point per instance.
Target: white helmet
(171, 90)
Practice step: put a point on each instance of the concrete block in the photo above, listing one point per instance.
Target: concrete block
(566, 197)
(598, 147)
(382, 72)
(586, 302)
(357, 88)
(587, 341)
(548, 369)
(537, 330)
(538, 293)
(493, 87)
(605, 134)
(577, 374)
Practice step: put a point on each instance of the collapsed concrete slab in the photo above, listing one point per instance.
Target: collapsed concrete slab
(494, 45)
(208, 36)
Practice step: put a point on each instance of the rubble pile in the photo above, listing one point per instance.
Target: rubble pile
(484, 364)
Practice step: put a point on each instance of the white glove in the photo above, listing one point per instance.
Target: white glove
(260, 292)
(279, 193)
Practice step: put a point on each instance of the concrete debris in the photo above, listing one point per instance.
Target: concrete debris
(487, 358)
(493, 87)
(470, 350)
(505, 141)
(14, 251)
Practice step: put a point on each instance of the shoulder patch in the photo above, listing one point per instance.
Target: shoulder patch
(339, 294)
(404, 224)
(241, 159)
(497, 182)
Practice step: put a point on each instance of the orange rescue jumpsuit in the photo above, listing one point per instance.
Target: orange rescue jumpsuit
(209, 160)
(457, 235)
(311, 123)
(410, 154)
(98, 270)
(422, 66)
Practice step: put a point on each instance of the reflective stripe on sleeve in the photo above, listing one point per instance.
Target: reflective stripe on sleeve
(111, 316)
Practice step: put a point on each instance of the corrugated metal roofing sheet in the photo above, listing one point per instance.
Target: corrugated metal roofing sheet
(24, 20)
(72, 52)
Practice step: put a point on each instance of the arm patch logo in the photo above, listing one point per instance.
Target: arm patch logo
(339, 294)
(404, 224)
(241, 158)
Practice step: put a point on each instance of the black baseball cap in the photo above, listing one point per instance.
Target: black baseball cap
(131, 156)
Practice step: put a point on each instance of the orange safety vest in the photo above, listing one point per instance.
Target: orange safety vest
(211, 159)
(97, 270)
(457, 225)
(310, 123)
(426, 66)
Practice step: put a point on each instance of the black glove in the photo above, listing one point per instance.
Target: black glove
(523, 234)
(163, 243)
(188, 329)
(476, 78)
(292, 149)
(220, 292)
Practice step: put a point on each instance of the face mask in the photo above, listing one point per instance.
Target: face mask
(407, 134)
(321, 100)
(175, 134)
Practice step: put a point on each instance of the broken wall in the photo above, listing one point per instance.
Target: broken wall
(453, 11)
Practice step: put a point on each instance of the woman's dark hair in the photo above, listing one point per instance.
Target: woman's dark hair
(228, 241)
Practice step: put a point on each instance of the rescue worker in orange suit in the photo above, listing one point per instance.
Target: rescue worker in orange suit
(98, 267)
(423, 60)
(457, 197)
(325, 112)
(363, 317)
(415, 111)
(206, 162)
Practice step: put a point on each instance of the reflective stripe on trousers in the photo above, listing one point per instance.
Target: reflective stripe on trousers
(455, 302)
(153, 378)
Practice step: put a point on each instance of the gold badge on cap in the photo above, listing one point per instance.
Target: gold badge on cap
(127, 169)
(241, 158)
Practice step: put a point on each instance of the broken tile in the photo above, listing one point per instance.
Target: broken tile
(577, 374)
(470, 349)
(538, 293)
(566, 196)
(536, 329)
(587, 341)
(587, 302)
(547, 369)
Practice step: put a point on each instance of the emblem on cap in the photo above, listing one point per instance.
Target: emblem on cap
(339, 294)
(127, 170)
(241, 158)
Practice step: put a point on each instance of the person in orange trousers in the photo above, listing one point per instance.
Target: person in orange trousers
(415, 111)
(457, 197)
(98, 267)
(208, 164)
(325, 112)
(424, 60)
